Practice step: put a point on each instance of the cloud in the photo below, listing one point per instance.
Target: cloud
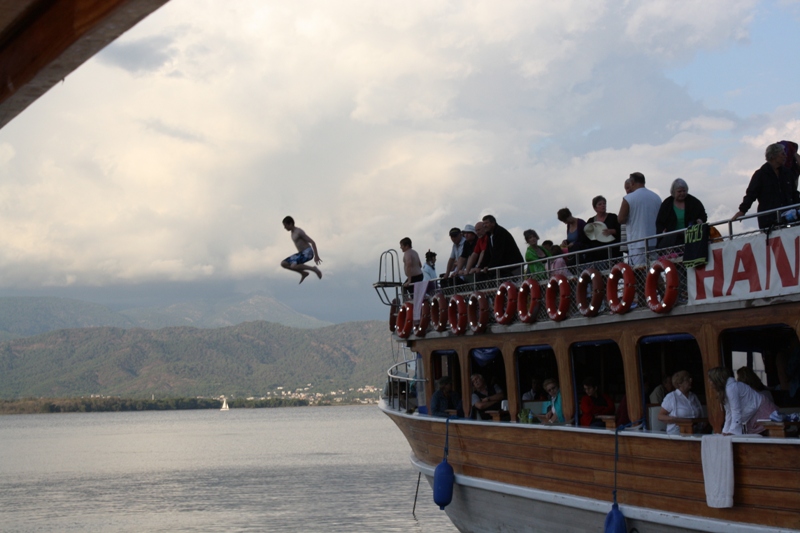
(209, 122)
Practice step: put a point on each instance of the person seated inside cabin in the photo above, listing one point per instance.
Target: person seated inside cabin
(552, 409)
(556, 264)
(594, 403)
(680, 403)
(535, 394)
(744, 407)
(746, 375)
(445, 398)
(679, 210)
(484, 397)
(660, 392)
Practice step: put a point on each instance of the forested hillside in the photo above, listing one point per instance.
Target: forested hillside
(245, 360)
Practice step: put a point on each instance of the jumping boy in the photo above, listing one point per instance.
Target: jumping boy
(306, 250)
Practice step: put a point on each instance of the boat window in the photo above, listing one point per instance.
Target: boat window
(534, 363)
(660, 357)
(602, 361)
(445, 363)
(488, 362)
(772, 353)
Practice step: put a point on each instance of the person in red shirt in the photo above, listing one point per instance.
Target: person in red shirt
(594, 404)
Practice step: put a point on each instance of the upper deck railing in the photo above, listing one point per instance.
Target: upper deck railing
(668, 283)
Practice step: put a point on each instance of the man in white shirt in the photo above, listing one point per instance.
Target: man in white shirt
(638, 212)
(458, 247)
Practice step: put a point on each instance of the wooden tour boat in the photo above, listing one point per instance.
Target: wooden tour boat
(742, 308)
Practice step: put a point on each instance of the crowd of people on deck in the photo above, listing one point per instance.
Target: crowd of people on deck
(487, 246)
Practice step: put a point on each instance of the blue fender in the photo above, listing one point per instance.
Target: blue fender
(615, 521)
(443, 480)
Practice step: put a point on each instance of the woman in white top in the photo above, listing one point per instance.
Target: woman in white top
(680, 403)
(743, 405)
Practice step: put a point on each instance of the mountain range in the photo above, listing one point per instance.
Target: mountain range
(22, 317)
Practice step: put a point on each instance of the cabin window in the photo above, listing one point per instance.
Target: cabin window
(488, 362)
(772, 353)
(445, 363)
(534, 363)
(601, 361)
(660, 357)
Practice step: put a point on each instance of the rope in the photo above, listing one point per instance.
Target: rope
(414, 509)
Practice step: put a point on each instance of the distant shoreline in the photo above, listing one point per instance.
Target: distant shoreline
(108, 404)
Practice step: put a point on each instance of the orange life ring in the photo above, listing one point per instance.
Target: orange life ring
(615, 303)
(393, 315)
(529, 298)
(405, 320)
(424, 318)
(478, 312)
(591, 308)
(439, 312)
(457, 314)
(670, 290)
(557, 284)
(505, 303)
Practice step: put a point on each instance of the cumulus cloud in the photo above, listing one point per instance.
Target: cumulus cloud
(173, 156)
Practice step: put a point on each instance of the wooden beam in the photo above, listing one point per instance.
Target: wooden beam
(52, 38)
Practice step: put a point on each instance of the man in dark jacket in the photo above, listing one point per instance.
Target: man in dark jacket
(502, 249)
(774, 185)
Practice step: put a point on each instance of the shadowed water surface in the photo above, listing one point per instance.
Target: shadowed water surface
(337, 469)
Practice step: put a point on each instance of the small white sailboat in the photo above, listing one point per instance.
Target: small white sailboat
(225, 405)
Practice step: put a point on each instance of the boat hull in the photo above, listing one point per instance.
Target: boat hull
(514, 477)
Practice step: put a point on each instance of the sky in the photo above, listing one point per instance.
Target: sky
(160, 170)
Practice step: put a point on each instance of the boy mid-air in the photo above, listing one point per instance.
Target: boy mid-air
(306, 250)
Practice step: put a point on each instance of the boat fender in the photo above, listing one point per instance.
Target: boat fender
(670, 290)
(393, 315)
(557, 310)
(505, 303)
(529, 298)
(405, 320)
(439, 312)
(615, 521)
(443, 481)
(615, 303)
(593, 276)
(457, 314)
(424, 318)
(478, 312)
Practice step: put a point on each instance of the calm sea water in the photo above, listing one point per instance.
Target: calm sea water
(291, 469)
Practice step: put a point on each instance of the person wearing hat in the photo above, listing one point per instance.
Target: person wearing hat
(471, 238)
(602, 229)
(429, 268)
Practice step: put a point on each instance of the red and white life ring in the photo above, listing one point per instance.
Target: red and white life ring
(457, 314)
(671, 288)
(393, 315)
(592, 307)
(624, 272)
(405, 320)
(505, 303)
(424, 318)
(529, 298)
(439, 312)
(478, 312)
(557, 308)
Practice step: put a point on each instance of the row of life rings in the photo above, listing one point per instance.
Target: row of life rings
(522, 303)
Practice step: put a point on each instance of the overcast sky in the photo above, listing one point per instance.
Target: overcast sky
(161, 169)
